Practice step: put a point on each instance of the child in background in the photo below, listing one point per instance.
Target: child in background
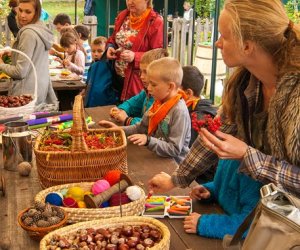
(166, 127)
(84, 33)
(99, 90)
(131, 111)
(192, 85)
(235, 192)
(75, 57)
(61, 20)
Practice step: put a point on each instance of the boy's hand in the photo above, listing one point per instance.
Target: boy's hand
(139, 139)
(66, 63)
(114, 111)
(160, 183)
(111, 53)
(107, 124)
(190, 223)
(121, 116)
(199, 192)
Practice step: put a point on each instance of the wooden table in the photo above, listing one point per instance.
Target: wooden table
(65, 91)
(142, 164)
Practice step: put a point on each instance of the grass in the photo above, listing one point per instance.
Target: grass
(67, 7)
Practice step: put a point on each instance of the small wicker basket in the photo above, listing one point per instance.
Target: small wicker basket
(164, 244)
(86, 214)
(37, 233)
(80, 164)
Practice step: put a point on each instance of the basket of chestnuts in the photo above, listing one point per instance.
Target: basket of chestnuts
(41, 219)
(130, 232)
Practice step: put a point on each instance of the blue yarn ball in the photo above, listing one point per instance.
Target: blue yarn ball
(104, 204)
(54, 198)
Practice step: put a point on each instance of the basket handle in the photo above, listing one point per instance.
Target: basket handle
(31, 63)
(79, 126)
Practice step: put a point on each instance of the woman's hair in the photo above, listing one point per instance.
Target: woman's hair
(266, 23)
(37, 8)
(70, 38)
(167, 69)
(153, 54)
(150, 4)
(13, 3)
(100, 40)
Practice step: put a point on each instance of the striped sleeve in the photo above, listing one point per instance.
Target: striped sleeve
(266, 169)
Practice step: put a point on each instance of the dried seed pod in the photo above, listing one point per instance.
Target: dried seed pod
(28, 221)
(43, 223)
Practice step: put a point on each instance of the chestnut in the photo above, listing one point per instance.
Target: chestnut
(91, 231)
(155, 235)
(132, 241)
(114, 239)
(140, 247)
(122, 240)
(111, 247)
(83, 237)
(144, 236)
(63, 243)
(98, 237)
(136, 234)
(127, 231)
(101, 231)
(90, 238)
(123, 247)
(146, 228)
(148, 242)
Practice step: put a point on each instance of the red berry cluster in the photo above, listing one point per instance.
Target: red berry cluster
(208, 122)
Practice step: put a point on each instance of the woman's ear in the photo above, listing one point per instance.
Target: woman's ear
(249, 47)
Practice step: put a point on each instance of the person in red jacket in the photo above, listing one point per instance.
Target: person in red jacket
(137, 29)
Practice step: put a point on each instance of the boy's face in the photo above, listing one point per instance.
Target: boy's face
(97, 51)
(157, 88)
(59, 26)
(143, 74)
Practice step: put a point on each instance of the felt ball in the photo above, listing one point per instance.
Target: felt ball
(24, 168)
(133, 192)
(81, 204)
(64, 191)
(70, 202)
(112, 176)
(104, 204)
(100, 186)
(54, 198)
(115, 199)
(76, 193)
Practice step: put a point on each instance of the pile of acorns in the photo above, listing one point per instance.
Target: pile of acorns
(42, 215)
(14, 101)
(120, 238)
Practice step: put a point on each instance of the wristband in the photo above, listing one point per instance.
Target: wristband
(128, 121)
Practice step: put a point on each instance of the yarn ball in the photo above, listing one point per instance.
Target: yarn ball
(70, 202)
(112, 176)
(100, 186)
(24, 168)
(134, 193)
(76, 193)
(81, 204)
(115, 199)
(64, 191)
(54, 198)
(104, 204)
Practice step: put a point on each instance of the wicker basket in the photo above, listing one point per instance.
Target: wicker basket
(37, 233)
(164, 244)
(87, 214)
(80, 164)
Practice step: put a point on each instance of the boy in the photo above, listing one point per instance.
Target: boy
(131, 111)
(192, 85)
(84, 33)
(61, 20)
(166, 128)
(99, 80)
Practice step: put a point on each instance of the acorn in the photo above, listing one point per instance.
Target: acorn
(24, 168)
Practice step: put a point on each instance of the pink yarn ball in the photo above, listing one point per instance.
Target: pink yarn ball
(100, 186)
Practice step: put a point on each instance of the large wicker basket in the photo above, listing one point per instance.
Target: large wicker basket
(87, 214)
(164, 244)
(80, 164)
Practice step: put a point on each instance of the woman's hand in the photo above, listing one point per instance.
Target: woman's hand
(190, 223)
(111, 53)
(199, 192)
(107, 124)
(160, 183)
(224, 145)
(127, 56)
(113, 112)
(139, 139)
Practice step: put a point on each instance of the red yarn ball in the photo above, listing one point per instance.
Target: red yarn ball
(70, 202)
(115, 199)
(112, 176)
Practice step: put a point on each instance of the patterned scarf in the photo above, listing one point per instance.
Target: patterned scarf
(137, 22)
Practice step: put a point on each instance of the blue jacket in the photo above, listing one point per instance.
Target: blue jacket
(136, 106)
(236, 193)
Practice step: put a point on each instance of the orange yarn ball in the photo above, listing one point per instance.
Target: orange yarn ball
(112, 176)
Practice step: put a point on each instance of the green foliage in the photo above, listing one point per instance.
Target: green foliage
(292, 8)
(205, 8)
(4, 9)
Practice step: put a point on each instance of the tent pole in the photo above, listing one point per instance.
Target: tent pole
(108, 16)
(214, 54)
(193, 32)
(165, 23)
(76, 12)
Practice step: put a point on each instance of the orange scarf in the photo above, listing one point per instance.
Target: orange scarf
(137, 22)
(158, 112)
(192, 102)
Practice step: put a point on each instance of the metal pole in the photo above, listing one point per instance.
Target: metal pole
(214, 54)
(193, 30)
(118, 6)
(165, 23)
(108, 16)
(75, 11)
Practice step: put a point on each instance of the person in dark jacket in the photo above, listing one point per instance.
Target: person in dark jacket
(11, 18)
(137, 29)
